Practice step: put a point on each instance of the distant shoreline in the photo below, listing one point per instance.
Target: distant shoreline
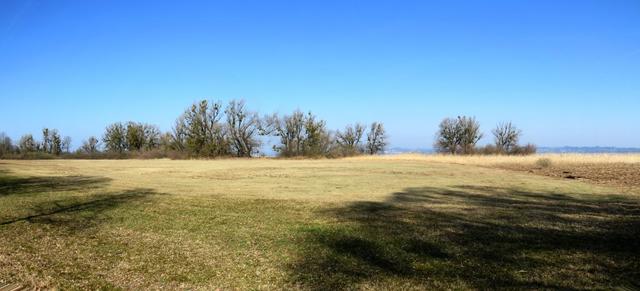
(541, 150)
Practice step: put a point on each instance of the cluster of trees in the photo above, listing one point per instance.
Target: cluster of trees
(52, 143)
(131, 136)
(460, 136)
(306, 135)
(206, 130)
(209, 129)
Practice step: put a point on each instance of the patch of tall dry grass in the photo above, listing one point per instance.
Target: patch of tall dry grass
(497, 160)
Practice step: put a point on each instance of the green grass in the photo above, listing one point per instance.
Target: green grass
(343, 224)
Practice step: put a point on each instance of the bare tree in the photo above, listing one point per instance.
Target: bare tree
(135, 139)
(90, 146)
(376, 139)
(142, 136)
(46, 141)
(202, 131)
(243, 127)
(469, 134)
(152, 136)
(317, 139)
(349, 140)
(506, 137)
(458, 135)
(115, 138)
(55, 143)
(448, 136)
(6, 145)
(166, 141)
(290, 130)
(179, 135)
(27, 144)
(66, 144)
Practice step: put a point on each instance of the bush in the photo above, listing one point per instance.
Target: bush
(177, 155)
(529, 149)
(487, 150)
(490, 149)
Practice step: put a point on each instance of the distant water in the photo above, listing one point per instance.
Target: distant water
(559, 150)
(588, 150)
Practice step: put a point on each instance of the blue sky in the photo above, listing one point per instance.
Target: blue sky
(565, 72)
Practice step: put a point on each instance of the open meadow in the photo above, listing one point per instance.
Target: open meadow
(385, 222)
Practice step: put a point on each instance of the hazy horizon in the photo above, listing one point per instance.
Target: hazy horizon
(565, 72)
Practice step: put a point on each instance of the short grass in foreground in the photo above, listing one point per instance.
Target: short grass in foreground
(327, 224)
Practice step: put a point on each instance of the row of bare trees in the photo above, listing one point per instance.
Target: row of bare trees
(460, 136)
(209, 129)
(52, 143)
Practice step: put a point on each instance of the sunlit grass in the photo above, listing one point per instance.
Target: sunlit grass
(504, 159)
(402, 222)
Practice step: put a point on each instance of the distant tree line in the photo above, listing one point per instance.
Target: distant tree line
(459, 136)
(52, 144)
(208, 129)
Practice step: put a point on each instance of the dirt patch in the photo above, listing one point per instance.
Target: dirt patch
(625, 175)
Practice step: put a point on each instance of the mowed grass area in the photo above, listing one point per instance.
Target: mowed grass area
(364, 223)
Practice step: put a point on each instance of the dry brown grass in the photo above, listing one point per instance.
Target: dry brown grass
(489, 160)
(311, 180)
(385, 223)
(618, 170)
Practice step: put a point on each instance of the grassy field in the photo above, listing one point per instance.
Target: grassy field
(402, 222)
(619, 170)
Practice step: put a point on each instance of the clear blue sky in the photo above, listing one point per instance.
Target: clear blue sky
(566, 72)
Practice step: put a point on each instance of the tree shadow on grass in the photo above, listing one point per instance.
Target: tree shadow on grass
(10, 185)
(475, 237)
(72, 207)
(81, 213)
